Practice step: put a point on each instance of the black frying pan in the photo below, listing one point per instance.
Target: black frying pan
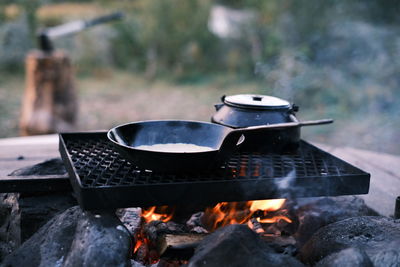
(222, 141)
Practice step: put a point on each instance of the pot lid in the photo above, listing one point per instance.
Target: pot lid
(256, 101)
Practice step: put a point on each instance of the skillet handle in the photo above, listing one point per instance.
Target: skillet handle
(230, 144)
(237, 136)
(283, 125)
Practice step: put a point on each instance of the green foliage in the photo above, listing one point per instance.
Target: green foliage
(165, 36)
(310, 17)
(380, 11)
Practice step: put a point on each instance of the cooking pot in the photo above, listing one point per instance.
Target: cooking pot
(245, 110)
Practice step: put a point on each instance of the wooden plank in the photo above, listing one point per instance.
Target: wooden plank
(18, 152)
(384, 170)
(38, 151)
(30, 140)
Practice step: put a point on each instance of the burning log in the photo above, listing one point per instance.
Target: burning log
(147, 248)
(179, 246)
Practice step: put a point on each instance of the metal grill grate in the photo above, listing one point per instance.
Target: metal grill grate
(96, 168)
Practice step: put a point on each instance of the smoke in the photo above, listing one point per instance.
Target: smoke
(279, 187)
(282, 76)
(350, 74)
(285, 183)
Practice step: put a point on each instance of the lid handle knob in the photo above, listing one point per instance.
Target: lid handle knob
(257, 98)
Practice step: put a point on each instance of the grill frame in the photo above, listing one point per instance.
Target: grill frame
(80, 152)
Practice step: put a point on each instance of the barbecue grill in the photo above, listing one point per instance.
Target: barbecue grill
(103, 179)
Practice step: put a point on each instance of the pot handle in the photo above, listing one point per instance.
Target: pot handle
(294, 108)
(218, 106)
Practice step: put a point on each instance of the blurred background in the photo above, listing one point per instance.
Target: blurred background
(175, 59)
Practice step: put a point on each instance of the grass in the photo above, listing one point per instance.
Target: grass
(11, 91)
(108, 98)
(125, 97)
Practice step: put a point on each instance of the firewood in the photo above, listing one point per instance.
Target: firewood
(50, 101)
(179, 246)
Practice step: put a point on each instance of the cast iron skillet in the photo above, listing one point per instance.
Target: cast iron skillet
(222, 140)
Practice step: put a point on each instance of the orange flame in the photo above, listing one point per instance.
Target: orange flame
(161, 213)
(225, 213)
(267, 205)
(154, 213)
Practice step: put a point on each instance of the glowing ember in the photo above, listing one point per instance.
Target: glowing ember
(143, 246)
(140, 241)
(274, 219)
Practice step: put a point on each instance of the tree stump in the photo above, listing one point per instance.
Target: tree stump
(50, 102)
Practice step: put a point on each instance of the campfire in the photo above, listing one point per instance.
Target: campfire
(265, 217)
(252, 208)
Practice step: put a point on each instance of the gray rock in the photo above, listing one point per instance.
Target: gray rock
(387, 258)
(323, 211)
(38, 209)
(350, 257)
(76, 238)
(237, 245)
(373, 234)
(48, 245)
(10, 236)
(100, 240)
